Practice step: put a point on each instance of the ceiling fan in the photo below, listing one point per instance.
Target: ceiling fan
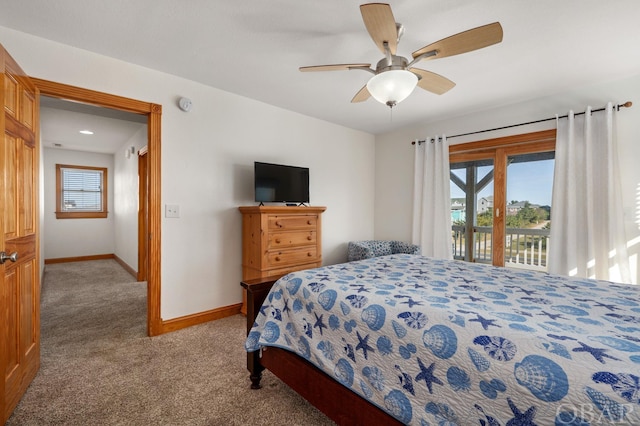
(395, 77)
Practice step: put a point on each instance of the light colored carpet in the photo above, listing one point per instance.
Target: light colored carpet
(99, 367)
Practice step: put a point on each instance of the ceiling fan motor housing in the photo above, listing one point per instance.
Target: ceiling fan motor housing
(396, 63)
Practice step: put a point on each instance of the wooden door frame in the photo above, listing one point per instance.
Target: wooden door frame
(154, 115)
(143, 214)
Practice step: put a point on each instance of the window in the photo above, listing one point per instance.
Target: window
(486, 227)
(81, 192)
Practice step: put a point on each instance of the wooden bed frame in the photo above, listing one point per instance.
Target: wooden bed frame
(338, 402)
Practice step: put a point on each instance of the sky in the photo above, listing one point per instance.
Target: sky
(527, 181)
(531, 182)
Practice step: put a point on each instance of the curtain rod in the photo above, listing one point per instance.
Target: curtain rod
(624, 105)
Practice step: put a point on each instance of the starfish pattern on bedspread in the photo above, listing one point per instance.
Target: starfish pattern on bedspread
(598, 353)
(426, 374)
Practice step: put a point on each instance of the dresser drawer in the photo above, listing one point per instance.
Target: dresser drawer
(291, 239)
(284, 270)
(284, 222)
(291, 257)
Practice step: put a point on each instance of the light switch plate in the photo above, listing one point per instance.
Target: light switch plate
(171, 210)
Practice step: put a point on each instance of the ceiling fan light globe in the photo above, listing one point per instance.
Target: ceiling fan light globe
(393, 86)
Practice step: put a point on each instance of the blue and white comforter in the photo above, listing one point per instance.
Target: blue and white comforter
(452, 343)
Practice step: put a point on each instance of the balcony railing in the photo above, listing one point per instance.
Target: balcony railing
(524, 248)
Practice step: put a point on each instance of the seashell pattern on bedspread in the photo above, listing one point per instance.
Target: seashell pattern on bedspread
(437, 342)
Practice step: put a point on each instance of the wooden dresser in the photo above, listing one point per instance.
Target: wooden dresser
(277, 240)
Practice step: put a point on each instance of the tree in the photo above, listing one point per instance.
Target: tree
(514, 221)
(543, 213)
(485, 218)
(528, 214)
(525, 216)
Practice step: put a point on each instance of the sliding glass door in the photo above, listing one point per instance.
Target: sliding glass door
(501, 200)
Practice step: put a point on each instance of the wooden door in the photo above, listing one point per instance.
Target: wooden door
(19, 276)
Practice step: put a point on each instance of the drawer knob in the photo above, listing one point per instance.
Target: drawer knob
(277, 240)
(309, 237)
(278, 223)
(309, 254)
(309, 222)
(277, 258)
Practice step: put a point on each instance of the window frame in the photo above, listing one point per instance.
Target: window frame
(61, 214)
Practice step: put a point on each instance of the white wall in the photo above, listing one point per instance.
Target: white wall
(125, 194)
(75, 237)
(394, 152)
(207, 167)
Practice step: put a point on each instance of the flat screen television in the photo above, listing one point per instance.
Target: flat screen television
(278, 183)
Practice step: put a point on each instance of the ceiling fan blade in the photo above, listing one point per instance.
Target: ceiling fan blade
(336, 67)
(463, 42)
(432, 82)
(362, 95)
(381, 25)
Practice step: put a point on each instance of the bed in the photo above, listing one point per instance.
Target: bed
(408, 339)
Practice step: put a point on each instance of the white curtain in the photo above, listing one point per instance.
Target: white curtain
(431, 198)
(587, 229)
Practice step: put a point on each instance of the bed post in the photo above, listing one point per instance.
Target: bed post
(257, 290)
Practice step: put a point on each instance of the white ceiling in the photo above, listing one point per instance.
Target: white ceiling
(61, 123)
(254, 48)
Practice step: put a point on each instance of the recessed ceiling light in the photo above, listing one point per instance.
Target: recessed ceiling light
(86, 132)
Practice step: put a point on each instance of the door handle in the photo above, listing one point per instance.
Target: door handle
(12, 257)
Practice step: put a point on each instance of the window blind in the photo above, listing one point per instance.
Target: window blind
(81, 190)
